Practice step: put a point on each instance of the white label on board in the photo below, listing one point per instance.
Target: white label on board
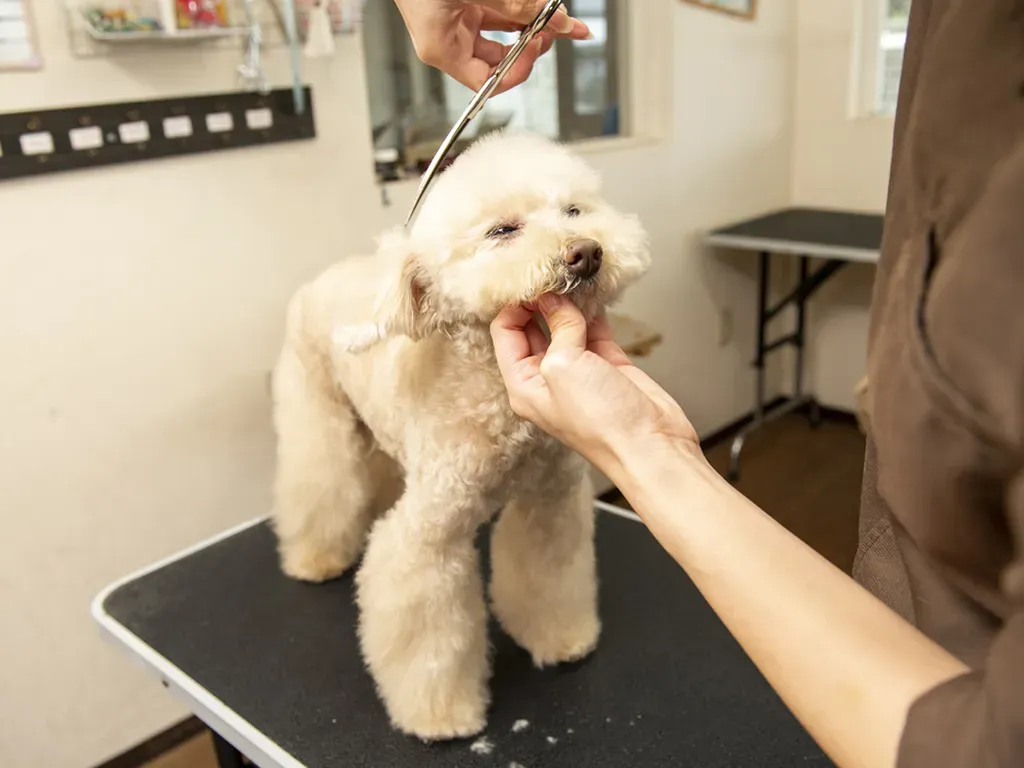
(90, 137)
(132, 133)
(38, 143)
(218, 122)
(177, 127)
(259, 119)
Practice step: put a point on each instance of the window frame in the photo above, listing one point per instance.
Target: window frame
(568, 54)
(871, 26)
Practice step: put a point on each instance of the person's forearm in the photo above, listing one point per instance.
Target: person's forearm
(846, 666)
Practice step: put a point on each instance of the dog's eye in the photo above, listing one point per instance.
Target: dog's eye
(504, 230)
(572, 211)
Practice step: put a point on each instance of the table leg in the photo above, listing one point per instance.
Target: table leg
(807, 284)
(763, 280)
(227, 755)
(814, 409)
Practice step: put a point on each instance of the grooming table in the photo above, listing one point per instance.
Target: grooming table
(838, 238)
(272, 666)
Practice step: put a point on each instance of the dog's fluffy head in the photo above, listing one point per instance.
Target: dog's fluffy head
(499, 227)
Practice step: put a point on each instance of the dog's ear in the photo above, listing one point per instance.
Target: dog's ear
(405, 304)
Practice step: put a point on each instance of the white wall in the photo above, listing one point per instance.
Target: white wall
(140, 308)
(732, 128)
(840, 161)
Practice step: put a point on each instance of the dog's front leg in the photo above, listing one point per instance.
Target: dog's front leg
(544, 576)
(423, 620)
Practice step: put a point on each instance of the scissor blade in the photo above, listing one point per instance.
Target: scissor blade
(439, 156)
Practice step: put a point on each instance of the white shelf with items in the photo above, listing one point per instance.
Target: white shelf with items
(103, 27)
(164, 36)
(133, 20)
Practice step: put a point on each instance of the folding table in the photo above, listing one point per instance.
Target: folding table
(272, 666)
(837, 237)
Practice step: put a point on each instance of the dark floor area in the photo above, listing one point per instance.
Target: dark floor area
(807, 479)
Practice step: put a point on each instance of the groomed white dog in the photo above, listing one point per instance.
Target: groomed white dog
(394, 430)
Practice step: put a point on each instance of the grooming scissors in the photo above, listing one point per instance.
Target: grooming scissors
(477, 103)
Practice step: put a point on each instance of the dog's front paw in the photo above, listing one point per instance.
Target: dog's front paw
(306, 564)
(562, 644)
(430, 719)
(551, 637)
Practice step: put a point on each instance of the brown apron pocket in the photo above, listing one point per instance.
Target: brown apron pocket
(937, 384)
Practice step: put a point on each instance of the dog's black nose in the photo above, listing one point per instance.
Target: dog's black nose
(583, 258)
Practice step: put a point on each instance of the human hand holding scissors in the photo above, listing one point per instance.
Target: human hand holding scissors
(447, 34)
(495, 82)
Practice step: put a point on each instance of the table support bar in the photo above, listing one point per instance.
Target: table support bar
(227, 755)
(807, 284)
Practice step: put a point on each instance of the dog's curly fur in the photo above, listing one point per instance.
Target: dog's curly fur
(394, 430)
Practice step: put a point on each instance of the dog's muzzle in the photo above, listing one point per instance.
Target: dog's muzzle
(583, 258)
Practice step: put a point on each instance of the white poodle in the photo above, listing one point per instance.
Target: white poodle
(394, 430)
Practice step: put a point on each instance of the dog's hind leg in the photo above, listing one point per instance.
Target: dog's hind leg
(324, 484)
(543, 569)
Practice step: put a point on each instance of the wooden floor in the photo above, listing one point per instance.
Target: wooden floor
(195, 753)
(807, 479)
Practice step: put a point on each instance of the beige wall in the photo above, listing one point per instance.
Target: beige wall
(140, 308)
(840, 161)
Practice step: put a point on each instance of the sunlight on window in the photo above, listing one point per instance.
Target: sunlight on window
(890, 68)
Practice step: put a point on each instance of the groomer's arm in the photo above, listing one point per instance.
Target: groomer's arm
(846, 666)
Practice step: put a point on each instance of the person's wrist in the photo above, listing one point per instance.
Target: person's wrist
(642, 458)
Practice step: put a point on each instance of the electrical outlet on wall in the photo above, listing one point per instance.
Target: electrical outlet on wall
(725, 326)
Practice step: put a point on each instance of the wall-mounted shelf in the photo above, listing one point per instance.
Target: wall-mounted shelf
(179, 36)
(89, 41)
(154, 24)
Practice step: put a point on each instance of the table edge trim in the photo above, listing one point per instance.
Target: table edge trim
(862, 255)
(246, 737)
(614, 509)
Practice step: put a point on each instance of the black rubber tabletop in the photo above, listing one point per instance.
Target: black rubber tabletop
(667, 686)
(840, 229)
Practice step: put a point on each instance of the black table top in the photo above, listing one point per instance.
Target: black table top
(667, 685)
(810, 230)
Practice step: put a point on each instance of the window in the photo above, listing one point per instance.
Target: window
(574, 92)
(885, 35)
(893, 40)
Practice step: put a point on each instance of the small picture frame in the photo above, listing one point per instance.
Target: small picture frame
(19, 49)
(741, 9)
